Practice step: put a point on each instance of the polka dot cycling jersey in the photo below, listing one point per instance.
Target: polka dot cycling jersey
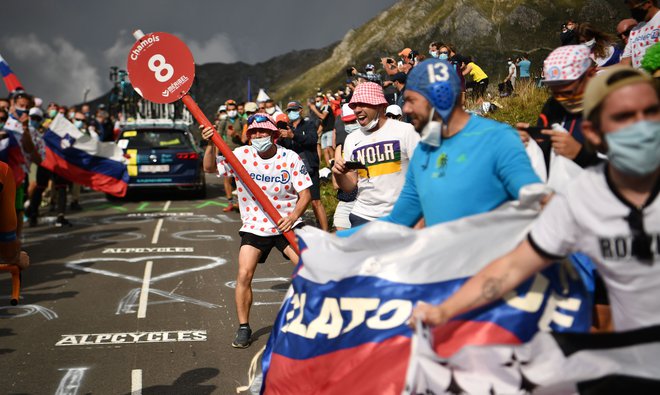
(280, 177)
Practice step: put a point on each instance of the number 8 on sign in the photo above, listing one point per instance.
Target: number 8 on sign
(161, 67)
(158, 69)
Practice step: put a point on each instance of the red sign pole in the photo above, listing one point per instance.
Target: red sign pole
(238, 168)
(162, 70)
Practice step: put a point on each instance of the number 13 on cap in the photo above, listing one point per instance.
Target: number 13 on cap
(161, 67)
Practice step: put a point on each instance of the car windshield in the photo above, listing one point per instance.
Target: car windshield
(154, 138)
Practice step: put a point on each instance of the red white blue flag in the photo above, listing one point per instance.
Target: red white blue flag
(342, 329)
(10, 149)
(84, 159)
(11, 80)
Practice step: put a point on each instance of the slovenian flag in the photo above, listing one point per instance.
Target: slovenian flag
(11, 80)
(10, 149)
(83, 159)
(342, 328)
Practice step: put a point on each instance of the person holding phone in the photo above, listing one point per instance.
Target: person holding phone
(567, 71)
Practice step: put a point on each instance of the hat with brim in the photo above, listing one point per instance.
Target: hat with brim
(566, 64)
(265, 122)
(347, 114)
(608, 81)
(369, 93)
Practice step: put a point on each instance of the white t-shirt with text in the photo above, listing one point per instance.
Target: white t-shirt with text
(590, 217)
(386, 152)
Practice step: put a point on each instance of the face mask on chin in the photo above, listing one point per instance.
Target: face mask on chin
(432, 131)
(371, 125)
(633, 150)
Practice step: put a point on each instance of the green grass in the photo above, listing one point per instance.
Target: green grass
(524, 106)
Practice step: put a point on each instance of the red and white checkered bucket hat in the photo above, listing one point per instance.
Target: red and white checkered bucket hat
(368, 93)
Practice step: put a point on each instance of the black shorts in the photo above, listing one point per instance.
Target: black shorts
(315, 189)
(266, 243)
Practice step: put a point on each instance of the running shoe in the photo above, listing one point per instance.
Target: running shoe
(243, 338)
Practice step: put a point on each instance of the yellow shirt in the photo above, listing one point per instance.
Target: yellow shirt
(477, 73)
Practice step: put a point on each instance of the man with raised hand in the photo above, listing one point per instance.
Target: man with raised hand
(380, 151)
(281, 174)
(610, 212)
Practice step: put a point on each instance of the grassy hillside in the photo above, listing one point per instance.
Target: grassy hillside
(489, 30)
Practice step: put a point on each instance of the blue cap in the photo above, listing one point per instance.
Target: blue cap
(438, 82)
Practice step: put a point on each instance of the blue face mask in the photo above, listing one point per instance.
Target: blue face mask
(443, 56)
(78, 124)
(351, 127)
(262, 144)
(293, 115)
(35, 124)
(633, 150)
(20, 111)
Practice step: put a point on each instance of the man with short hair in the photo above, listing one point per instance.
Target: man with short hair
(301, 137)
(623, 29)
(645, 34)
(380, 152)
(510, 80)
(611, 212)
(524, 64)
(284, 179)
(230, 129)
(399, 82)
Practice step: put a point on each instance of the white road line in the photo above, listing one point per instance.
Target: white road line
(144, 293)
(136, 382)
(154, 239)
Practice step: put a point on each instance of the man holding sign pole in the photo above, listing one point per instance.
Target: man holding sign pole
(162, 70)
(281, 174)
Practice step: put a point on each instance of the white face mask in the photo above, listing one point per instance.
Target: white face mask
(223, 116)
(371, 125)
(270, 111)
(590, 44)
(432, 132)
(232, 113)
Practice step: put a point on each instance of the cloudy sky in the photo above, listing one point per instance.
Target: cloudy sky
(58, 49)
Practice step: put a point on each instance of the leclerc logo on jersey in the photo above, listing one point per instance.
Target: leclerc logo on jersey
(283, 178)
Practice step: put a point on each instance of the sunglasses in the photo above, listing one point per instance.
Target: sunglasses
(443, 52)
(626, 33)
(258, 118)
(641, 242)
(392, 116)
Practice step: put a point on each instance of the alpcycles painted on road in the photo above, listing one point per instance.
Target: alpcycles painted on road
(97, 339)
(142, 250)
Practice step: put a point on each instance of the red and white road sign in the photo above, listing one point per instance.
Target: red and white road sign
(161, 67)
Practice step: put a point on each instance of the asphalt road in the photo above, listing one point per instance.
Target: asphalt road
(134, 296)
